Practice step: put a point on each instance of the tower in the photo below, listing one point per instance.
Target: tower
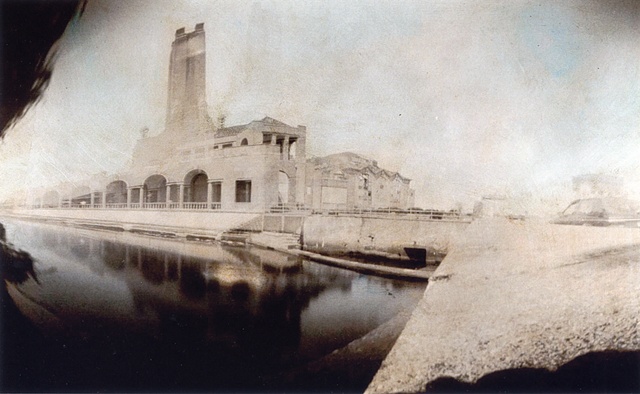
(187, 106)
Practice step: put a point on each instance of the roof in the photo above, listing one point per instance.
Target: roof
(266, 122)
(353, 162)
(230, 131)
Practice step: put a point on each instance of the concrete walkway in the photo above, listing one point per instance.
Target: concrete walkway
(519, 294)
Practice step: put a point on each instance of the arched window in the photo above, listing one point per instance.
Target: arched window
(283, 188)
(195, 186)
(244, 142)
(155, 189)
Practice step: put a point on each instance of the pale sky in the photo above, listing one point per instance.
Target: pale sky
(466, 98)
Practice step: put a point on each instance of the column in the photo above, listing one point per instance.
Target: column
(273, 139)
(168, 195)
(209, 194)
(285, 148)
(93, 198)
(128, 197)
(104, 199)
(141, 195)
(181, 196)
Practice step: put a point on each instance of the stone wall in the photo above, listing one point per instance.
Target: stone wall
(371, 235)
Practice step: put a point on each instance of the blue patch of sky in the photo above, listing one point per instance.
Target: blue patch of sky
(550, 32)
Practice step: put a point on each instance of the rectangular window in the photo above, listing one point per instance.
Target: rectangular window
(216, 192)
(266, 139)
(243, 191)
(224, 146)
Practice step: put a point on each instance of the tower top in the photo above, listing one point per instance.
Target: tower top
(181, 31)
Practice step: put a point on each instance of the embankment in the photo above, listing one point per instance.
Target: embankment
(384, 236)
(520, 296)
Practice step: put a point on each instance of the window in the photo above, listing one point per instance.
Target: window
(216, 192)
(243, 191)
(244, 142)
(266, 139)
(227, 146)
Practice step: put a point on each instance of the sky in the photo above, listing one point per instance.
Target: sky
(466, 98)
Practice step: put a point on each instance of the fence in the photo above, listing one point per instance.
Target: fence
(281, 209)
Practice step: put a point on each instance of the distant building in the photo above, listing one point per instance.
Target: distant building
(597, 185)
(350, 181)
(491, 206)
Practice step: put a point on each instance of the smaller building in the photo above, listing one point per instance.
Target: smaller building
(350, 181)
(597, 185)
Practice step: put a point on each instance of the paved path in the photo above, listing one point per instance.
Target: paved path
(519, 294)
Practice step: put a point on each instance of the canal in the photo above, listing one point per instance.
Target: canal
(115, 311)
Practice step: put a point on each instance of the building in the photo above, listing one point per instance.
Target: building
(597, 185)
(197, 164)
(350, 181)
(193, 164)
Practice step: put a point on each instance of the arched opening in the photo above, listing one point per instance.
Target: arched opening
(51, 199)
(195, 186)
(117, 192)
(155, 189)
(283, 188)
(244, 142)
(293, 146)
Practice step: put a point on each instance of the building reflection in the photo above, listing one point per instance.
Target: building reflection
(243, 298)
(187, 295)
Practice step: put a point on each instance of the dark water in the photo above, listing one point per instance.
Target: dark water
(104, 311)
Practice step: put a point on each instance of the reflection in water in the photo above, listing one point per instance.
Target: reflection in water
(16, 265)
(216, 316)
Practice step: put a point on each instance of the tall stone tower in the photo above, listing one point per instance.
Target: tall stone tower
(187, 106)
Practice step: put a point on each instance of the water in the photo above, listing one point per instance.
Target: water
(118, 311)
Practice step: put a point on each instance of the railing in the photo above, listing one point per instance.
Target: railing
(117, 206)
(154, 205)
(424, 214)
(284, 209)
(194, 205)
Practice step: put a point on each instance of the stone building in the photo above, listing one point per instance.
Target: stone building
(196, 164)
(245, 167)
(193, 164)
(350, 181)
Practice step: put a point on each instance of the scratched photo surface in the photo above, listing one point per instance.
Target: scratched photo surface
(320, 196)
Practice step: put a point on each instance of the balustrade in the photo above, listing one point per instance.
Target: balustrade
(117, 206)
(194, 205)
(154, 205)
